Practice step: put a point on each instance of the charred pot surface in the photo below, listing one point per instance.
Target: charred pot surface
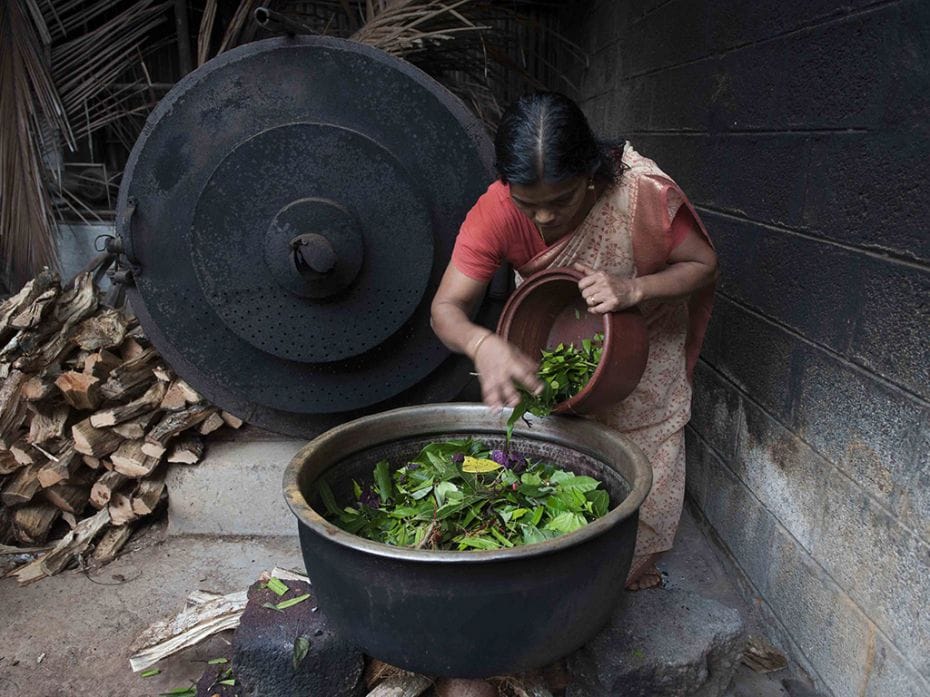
(468, 614)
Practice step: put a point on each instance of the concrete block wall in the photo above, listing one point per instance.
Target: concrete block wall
(800, 129)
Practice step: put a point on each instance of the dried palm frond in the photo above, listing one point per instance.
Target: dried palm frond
(30, 109)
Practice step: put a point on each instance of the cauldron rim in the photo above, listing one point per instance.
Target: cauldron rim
(446, 419)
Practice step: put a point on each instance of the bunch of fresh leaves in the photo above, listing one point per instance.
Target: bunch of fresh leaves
(564, 371)
(458, 494)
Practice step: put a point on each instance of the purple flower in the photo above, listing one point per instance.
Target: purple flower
(458, 458)
(369, 498)
(413, 466)
(517, 463)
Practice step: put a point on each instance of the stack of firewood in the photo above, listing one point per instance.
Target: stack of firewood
(90, 416)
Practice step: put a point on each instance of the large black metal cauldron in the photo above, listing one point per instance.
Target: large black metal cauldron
(477, 613)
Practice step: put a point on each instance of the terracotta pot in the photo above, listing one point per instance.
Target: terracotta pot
(548, 309)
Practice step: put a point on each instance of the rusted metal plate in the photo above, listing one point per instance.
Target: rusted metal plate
(296, 201)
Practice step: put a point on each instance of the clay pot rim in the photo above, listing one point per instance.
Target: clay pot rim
(574, 404)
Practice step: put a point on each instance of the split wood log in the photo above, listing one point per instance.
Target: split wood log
(105, 330)
(15, 304)
(8, 463)
(116, 415)
(101, 363)
(12, 408)
(91, 461)
(72, 307)
(67, 549)
(48, 423)
(120, 508)
(104, 488)
(24, 453)
(69, 497)
(231, 420)
(178, 395)
(136, 428)
(39, 387)
(22, 487)
(94, 441)
(31, 316)
(129, 459)
(80, 390)
(162, 373)
(211, 423)
(70, 519)
(109, 545)
(147, 495)
(186, 450)
(131, 349)
(189, 627)
(131, 374)
(55, 471)
(405, 685)
(75, 361)
(156, 440)
(32, 522)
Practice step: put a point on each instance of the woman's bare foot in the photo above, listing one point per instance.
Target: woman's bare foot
(644, 574)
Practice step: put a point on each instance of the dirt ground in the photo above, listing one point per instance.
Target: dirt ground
(68, 635)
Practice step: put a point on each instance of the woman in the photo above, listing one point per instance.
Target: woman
(563, 199)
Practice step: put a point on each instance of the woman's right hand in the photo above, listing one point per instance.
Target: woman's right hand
(501, 366)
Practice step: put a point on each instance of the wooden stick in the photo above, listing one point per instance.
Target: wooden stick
(129, 459)
(147, 495)
(53, 472)
(116, 415)
(102, 490)
(80, 390)
(48, 423)
(104, 330)
(173, 423)
(120, 508)
(94, 441)
(71, 545)
(32, 522)
(189, 627)
(186, 450)
(22, 487)
(109, 545)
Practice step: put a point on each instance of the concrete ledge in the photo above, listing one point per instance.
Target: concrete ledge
(235, 490)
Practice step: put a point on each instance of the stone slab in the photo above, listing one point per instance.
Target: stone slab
(267, 659)
(661, 643)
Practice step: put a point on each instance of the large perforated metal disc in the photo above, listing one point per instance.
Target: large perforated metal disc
(290, 208)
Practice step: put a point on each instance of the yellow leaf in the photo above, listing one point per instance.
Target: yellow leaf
(479, 464)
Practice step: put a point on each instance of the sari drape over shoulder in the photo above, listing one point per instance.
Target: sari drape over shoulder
(631, 231)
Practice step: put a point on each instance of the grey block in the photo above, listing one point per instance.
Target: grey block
(871, 191)
(715, 410)
(796, 688)
(784, 474)
(664, 643)
(826, 625)
(761, 358)
(892, 675)
(892, 335)
(831, 76)
(264, 656)
(880, 564)
(868, 428)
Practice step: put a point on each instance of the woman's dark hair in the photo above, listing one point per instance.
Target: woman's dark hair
(544, 136)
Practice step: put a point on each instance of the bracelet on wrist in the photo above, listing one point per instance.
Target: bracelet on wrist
(474, 351)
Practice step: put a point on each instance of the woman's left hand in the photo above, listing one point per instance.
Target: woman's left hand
(604, 292)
